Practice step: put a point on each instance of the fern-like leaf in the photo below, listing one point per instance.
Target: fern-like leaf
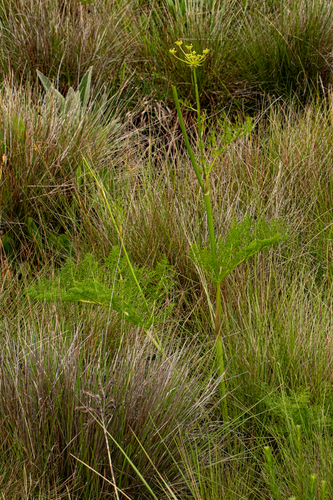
(111, 285)
(243, 240)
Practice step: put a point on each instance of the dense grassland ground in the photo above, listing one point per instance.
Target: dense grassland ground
(89, 408)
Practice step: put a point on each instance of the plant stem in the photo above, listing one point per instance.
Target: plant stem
(205, 188)
(187, 142)
(220, 354)
(200, 131)
(218, 310)
(210, 222)
(212, 239)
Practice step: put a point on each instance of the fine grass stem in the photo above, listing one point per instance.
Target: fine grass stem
(119, 231)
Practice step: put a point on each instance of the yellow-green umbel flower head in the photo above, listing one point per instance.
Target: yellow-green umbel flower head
(190, 56)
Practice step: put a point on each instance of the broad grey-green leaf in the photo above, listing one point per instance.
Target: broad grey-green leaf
(59, 98)
(84, 88)
(45, 81)
(72, 101)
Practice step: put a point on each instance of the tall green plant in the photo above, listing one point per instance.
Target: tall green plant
(243, 240)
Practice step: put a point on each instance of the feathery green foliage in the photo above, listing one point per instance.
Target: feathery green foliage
(244, 239)
(297, 408)
(112, 285)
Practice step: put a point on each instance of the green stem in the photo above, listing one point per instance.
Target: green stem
(205, 188)
(201, 148)
(220, 354)
(187, 142)
(210, 222)
(119, 232)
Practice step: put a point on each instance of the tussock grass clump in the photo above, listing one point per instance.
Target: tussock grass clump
(289, 52)
(55, 387)
(62, 39)
(41, 150)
